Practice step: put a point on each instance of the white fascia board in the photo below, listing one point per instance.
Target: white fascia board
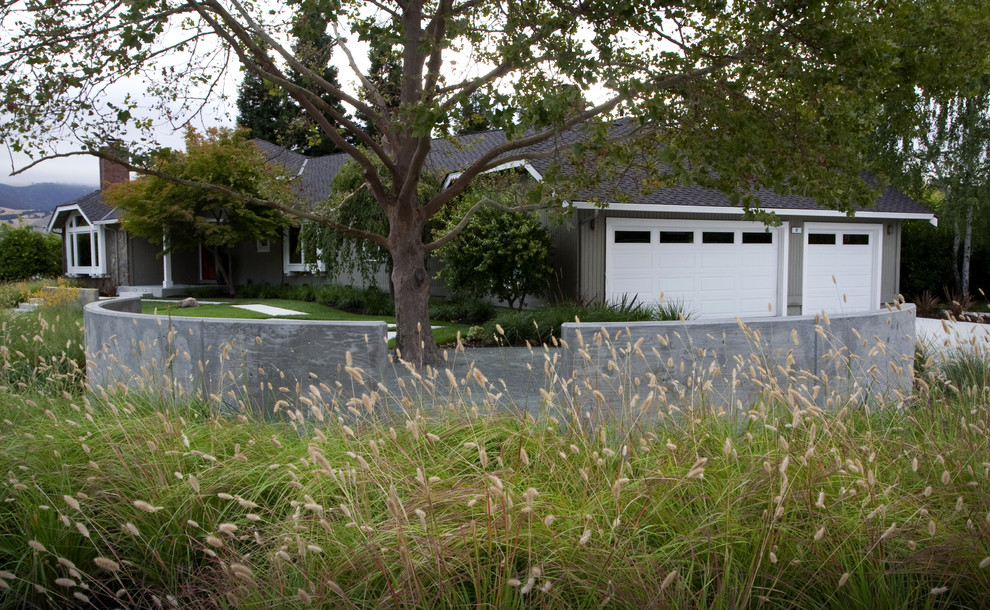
(498, 168)
(735, 211)
(64, 208)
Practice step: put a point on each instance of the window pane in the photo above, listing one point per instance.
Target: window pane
(96, 249)
(84, 252)
(856, 239)
(757, 238)
(718, 237)
(632, 237)
(821, 239)
(295, 251)
(676, 237)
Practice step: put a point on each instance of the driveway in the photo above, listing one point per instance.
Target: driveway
(943, 335)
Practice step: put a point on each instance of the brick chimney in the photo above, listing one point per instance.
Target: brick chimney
(111, 172)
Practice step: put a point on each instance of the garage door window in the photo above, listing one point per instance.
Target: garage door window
(632, 237)
(720, 237)
(757, 238)
(676, 237)
(821, 239)
(856, 239)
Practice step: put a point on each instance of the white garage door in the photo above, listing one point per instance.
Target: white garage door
(841, 267)
(715, 269)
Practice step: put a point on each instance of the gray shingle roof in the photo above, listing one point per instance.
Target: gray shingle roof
(451, 155)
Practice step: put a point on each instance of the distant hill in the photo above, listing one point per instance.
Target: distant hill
(40, 197)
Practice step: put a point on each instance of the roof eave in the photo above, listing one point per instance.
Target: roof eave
(62, 209)
(737, 211)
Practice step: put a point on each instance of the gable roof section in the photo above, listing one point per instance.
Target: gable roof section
(92, 208)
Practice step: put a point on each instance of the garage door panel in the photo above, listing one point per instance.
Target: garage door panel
(711, 279)
(716, 285)
(841, 269)
(674, 259)
(680, 285)
(713, 307)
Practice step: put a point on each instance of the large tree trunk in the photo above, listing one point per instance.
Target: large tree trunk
(411, 283)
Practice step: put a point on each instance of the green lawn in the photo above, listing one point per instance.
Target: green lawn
(445, 333)
(312, 311)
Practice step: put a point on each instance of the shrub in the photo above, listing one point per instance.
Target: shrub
(370, 300)
(25, 252)
(540, 325)
(927, 260)
(927, 304)
(465, 311)
(499, 254)
(12, 293)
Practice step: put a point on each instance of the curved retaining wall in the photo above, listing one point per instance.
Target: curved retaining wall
(257, 362)
(804, 360)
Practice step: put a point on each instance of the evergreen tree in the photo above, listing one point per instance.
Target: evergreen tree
(267, 111)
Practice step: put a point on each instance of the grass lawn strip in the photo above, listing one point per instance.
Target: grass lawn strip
(306, 310)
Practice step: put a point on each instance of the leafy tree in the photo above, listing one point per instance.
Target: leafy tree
(957, 153)
(190, 217)
(730, 95)
(25, 252)
(948, 162)
(500, 254)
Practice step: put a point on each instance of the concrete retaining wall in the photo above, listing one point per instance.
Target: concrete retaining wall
(254, 362)
(804, 360)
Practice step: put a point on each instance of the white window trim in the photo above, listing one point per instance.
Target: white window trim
(98, 249)
(303, 266)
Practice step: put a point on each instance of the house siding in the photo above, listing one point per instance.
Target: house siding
(563, 258)
(253, 267)
(146, 264)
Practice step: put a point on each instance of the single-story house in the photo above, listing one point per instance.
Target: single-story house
(685, 244)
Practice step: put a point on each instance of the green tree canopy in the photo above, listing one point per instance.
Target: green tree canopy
(730, 95)
(187, 216)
